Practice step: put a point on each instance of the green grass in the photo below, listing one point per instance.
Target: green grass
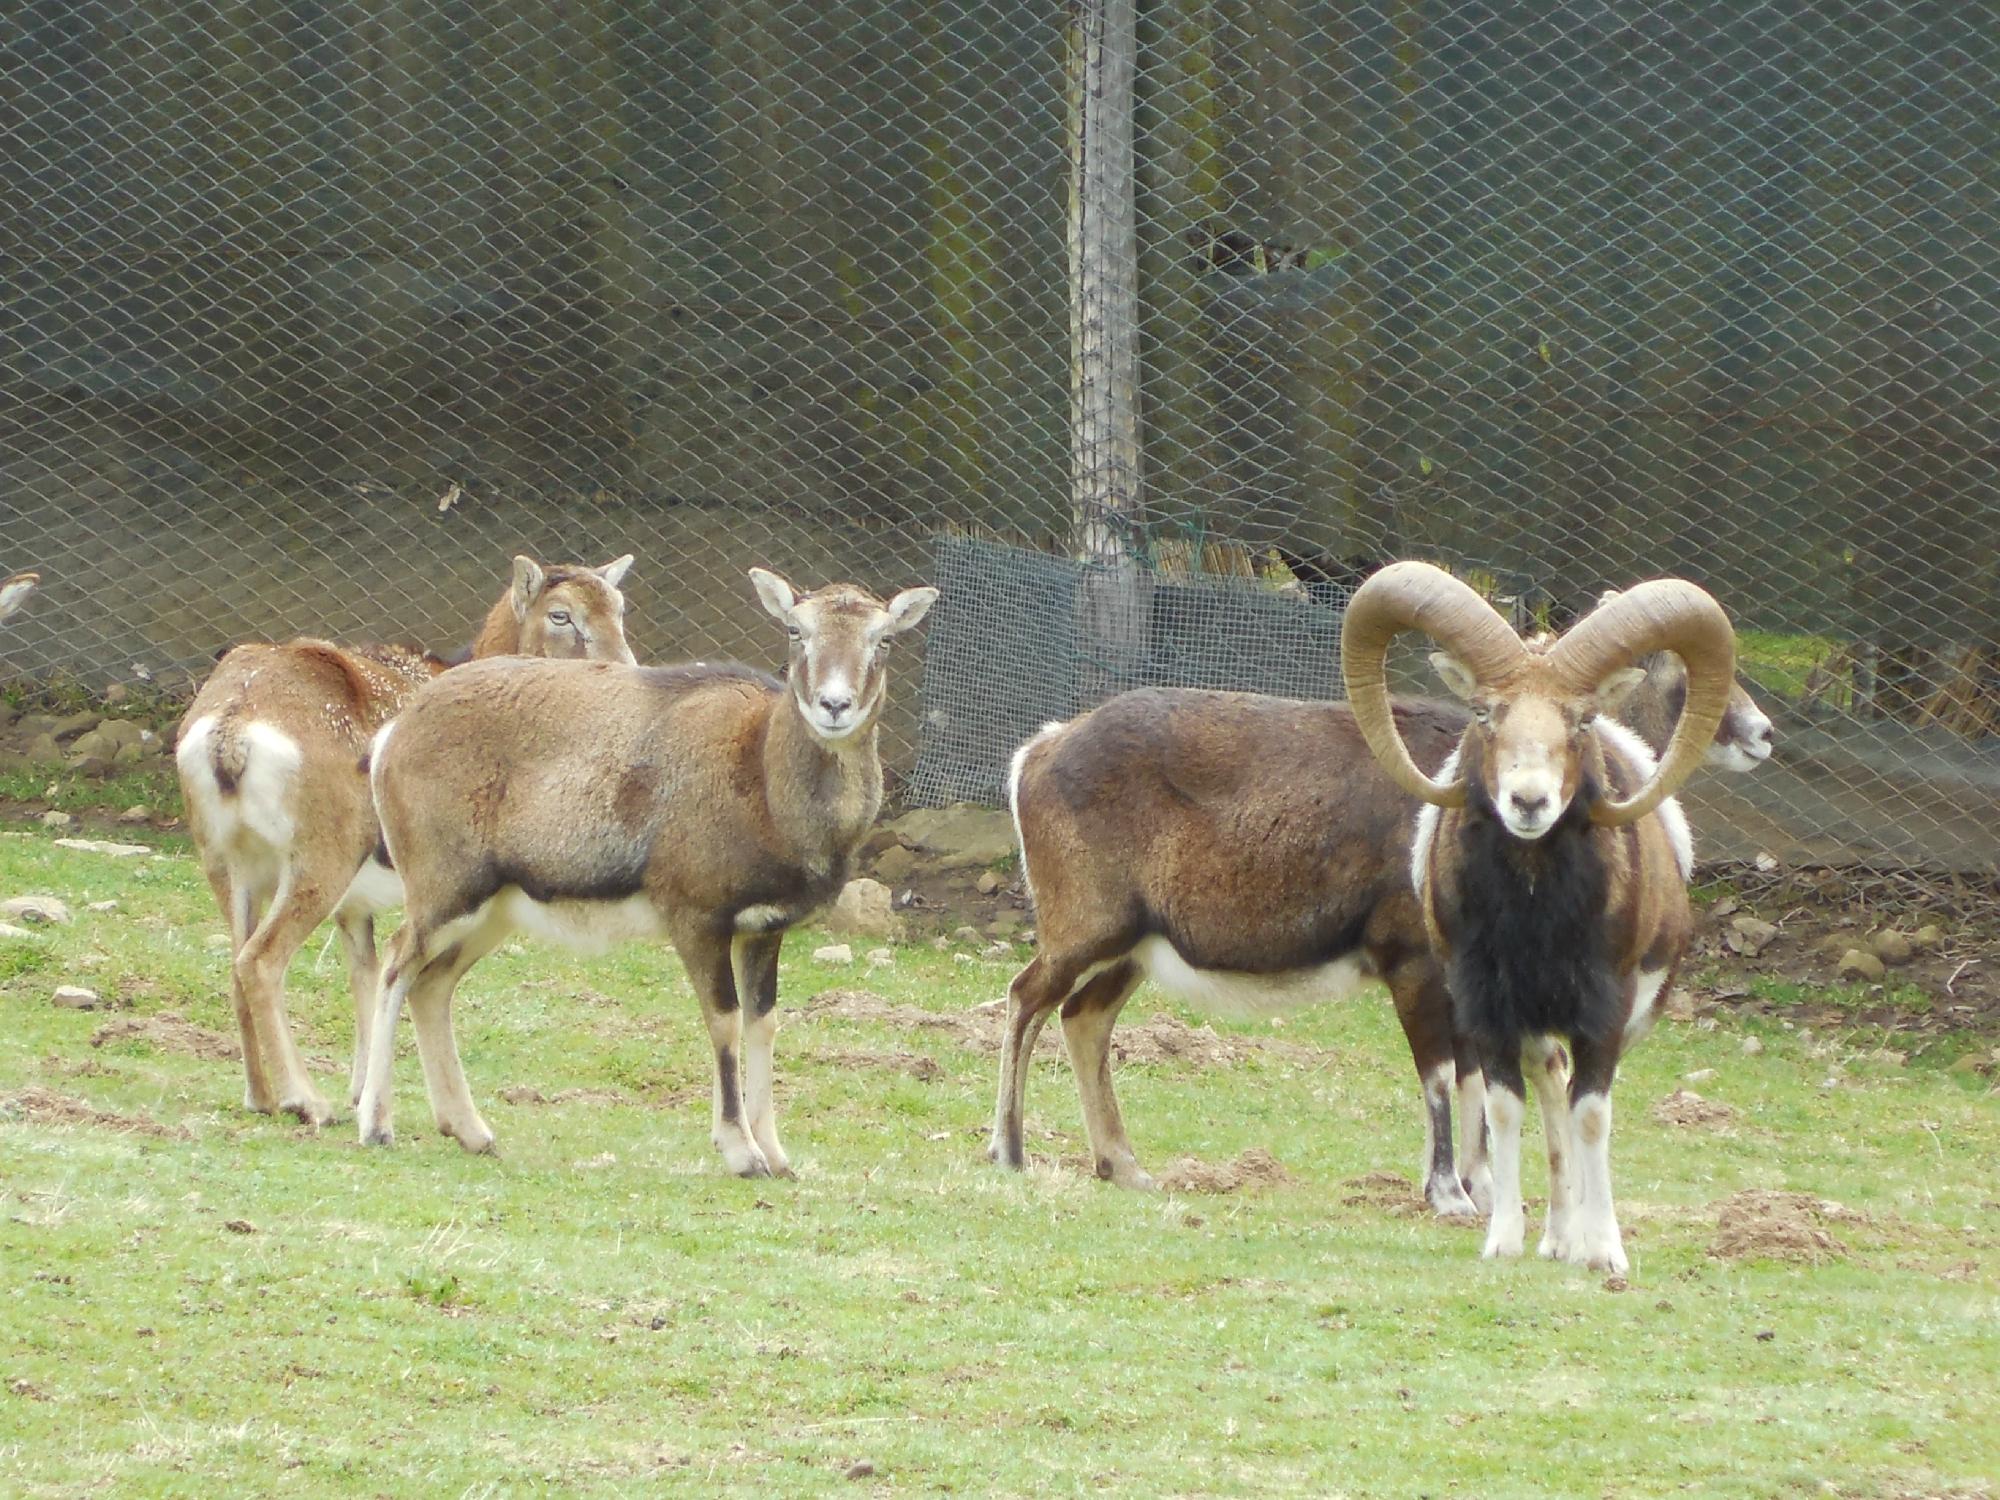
(58, 787)
(598, 1310)
(1780, 663)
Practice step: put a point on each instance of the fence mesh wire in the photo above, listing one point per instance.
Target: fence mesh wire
(312, 315)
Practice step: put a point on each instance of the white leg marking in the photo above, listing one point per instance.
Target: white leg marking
(1475, 1166)
(1509, 1225)
(1441, 1185)
(1594, 1240)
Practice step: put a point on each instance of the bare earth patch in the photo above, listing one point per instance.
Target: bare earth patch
(1686, 1107)
(522, 1093)
(1255, 1168)
(170, 1032)
(40, 1106)
(1766, 1224)
(916, 1064)
(1385, 1192)
(1159, 1038)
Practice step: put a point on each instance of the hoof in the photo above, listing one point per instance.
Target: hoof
(478, 1142)
(1128, 1175)
(756, 1166)
(1479, 1188)
(1449, 1199)
(310, 1110)
(378, 1135)
(1502, 1242)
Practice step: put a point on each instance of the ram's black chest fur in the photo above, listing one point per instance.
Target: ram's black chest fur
(1525, 923)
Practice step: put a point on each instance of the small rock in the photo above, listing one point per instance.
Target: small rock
(35, 909)
(1749, 936)
(1004, 925)
(997, 950)
(861, 1468)
(1724, 907)
(69, 726)
(75, 997)
(963, 958)
(987, 883)
(1699, 1075)
(42, 749)
(1891, 947)
(102, 906)
(960, 837)
(1855, 964)
(1752, 1046)
(129, 755)
(833, 953)
(55, 818)
(877, 957)
(862, 910)
(120, 731)
(138, 812)
(103, 846)
(1927, 937)
(965, 934)
(1765, 862)
(239, 1226)
(95, 745)
(941, 944)
(216, 940)
(9, 930)
(894, 864)
(116, 693)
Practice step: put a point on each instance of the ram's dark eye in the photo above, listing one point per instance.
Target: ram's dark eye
(559, 617)
(794, 632)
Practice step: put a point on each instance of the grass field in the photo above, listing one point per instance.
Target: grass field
(202, 1302)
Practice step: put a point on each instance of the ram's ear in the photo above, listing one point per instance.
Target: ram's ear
(1454, 674)
(779, 596)
(907, 609)
(1615, 689)
(528, 580)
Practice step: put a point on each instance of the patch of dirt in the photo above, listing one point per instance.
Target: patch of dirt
(1686, 1107)
(1819, 913)
(1159, 1038)
(918, 1066)
(1255, 1168)
(1768, 1224)
(40, 1106)
(171, 1032)
(522, 1093)
(1387, 1193)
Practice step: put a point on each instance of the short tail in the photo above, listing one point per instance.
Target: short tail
(239, 777)
(228, 754)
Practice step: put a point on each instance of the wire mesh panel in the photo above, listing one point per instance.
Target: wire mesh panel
(312, 315)
(1008, 652)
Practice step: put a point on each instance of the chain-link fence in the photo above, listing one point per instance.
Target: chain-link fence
(313, 314)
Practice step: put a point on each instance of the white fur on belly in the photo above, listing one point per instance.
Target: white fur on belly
(587, 926)
(375, 887)
(1233, 992)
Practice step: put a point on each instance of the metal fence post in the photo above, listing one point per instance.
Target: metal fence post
(1105, 468)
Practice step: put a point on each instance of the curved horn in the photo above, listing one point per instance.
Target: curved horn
(1417, 596)
(1668, 614)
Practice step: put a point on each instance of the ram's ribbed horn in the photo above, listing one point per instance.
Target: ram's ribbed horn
(1668, 614)
(1417, 596)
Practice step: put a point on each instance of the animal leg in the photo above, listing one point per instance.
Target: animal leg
(755, 959)
(239, 908)
(1088, 1017)
(364, 975)
(1475, 1162)
(1033, 996)
(1423, 1006)
(707, 956)
(1594, 1240)
(430, 997)
(299, 905)
(1505, 1106)
(373, 1110)
(1548, 1071)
